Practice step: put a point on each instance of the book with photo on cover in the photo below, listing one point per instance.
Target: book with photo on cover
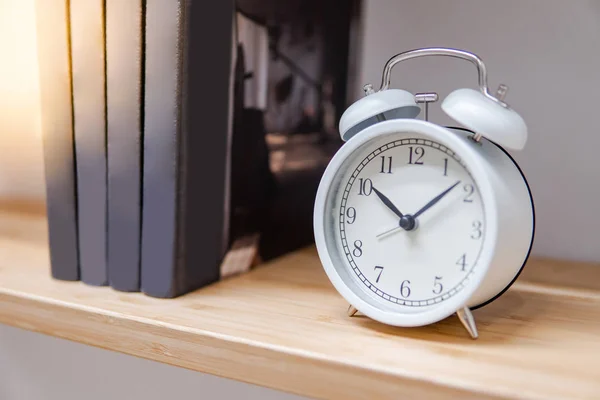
(239, 124)
(297, 59)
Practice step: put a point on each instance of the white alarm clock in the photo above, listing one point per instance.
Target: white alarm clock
(414, 221)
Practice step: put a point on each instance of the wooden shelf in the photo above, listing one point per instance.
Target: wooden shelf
(283, 326)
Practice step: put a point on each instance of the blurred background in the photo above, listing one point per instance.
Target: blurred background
(291, 74)
(304, 62)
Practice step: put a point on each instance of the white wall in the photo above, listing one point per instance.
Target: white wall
(21, 169)
(548, 52)
(34, 366)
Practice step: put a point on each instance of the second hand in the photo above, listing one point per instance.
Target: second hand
(389, 231)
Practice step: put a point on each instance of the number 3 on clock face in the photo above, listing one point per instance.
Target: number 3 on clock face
(429, 259)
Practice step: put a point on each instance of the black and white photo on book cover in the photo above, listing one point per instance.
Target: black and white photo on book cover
(291, 69)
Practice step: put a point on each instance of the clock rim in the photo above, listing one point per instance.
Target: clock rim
(478, 171)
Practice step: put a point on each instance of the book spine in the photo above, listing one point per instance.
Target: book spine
(186, 139)
(57, 134)
(89, 108)
(162, 125)
(124, 63)
(206, 150)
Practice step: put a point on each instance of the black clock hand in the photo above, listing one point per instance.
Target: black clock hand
(388, 203)
(435, 200)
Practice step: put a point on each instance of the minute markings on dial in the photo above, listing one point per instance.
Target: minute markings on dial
(386, 291)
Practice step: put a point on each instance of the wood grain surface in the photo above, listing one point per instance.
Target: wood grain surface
(283, 326)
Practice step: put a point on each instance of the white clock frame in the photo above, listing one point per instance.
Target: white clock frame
(508, 237)
(507, 200)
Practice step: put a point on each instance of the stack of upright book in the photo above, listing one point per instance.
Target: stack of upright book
(137, 120)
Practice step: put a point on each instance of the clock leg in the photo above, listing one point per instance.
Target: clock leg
(466, 318)
(351, 311)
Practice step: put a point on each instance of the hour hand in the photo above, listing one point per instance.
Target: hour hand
(388, 203)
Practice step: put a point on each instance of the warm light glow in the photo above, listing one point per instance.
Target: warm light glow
(21, 165)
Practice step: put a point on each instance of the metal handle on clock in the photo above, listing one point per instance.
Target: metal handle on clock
(448, 52)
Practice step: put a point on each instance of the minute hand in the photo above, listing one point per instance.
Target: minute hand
(435, 200)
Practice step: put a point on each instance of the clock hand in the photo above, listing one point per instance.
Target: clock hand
(389, 231)
(388, 203)
(435, 200)
(408, 222)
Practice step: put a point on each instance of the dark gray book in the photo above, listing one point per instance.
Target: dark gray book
(188, 81)
(124, 63)
(89, 109)
(57, 132)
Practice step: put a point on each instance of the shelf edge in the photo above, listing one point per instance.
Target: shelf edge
(215, 354)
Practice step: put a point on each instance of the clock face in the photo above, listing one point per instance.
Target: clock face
(408, 221)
